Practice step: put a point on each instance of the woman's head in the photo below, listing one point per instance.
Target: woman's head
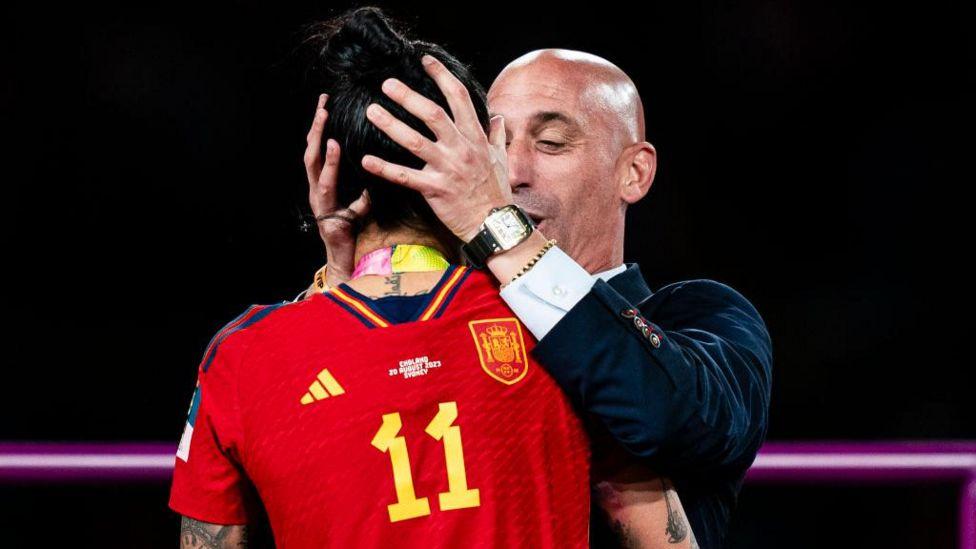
(355, 53)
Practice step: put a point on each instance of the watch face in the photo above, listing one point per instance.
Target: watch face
(507, 228)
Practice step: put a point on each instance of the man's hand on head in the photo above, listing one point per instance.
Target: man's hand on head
(467, 171)
(337, 226)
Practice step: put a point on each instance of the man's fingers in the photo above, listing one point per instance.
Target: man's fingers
(395, 173)
(407, 137)
(427, 111)
(458, 98)
(496, 132)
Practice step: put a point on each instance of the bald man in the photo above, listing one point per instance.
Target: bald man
(675, 383)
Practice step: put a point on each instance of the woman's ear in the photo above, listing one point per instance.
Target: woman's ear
(639, 164)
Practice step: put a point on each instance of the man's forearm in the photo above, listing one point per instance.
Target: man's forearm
(696, 383)
(195, 534)
(505, 265)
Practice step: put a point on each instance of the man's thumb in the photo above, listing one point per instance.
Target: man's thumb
(496, 131)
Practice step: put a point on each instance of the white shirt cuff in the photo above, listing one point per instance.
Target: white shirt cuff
(543, 296)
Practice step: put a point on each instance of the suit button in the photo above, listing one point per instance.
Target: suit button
(628, 313)
(655, 340)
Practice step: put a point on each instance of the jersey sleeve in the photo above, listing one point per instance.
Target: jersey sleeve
(209, 482)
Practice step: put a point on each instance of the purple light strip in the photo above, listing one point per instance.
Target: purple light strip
(777, 463)
(864, 462)
(71, 462)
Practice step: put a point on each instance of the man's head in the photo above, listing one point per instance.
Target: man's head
(576, 150)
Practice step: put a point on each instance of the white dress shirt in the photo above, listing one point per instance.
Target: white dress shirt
(542, 296)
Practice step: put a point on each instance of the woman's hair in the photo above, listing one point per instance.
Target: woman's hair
(354, 53)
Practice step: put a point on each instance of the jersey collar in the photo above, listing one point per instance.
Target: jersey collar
(433, 306)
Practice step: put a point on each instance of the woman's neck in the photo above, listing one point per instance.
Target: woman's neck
(413, 283)
(373, 238)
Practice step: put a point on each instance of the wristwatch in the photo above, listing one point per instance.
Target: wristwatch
(503, 229)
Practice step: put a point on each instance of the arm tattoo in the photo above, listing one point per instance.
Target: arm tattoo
(677, 528)
(195, 534)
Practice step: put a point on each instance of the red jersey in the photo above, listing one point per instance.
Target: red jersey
(356, 431)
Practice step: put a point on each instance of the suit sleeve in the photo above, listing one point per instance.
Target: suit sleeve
(209, 482)
(694, 398)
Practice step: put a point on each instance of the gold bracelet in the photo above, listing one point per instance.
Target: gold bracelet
(549, 244)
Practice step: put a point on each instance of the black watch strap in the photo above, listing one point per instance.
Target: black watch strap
(479, 249)
(485, 243)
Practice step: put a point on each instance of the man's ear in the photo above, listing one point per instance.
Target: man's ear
(638, 164)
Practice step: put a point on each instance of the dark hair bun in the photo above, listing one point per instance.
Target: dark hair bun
(362, 46)
(353, 54)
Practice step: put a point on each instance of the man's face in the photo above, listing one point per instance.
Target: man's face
(562, 151)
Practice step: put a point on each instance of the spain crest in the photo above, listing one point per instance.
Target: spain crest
(501, 348)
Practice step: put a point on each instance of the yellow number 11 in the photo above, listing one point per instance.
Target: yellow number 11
(408, 505)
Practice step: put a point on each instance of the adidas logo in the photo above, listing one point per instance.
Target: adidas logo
(323, 387)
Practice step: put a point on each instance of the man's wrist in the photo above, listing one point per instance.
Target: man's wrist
(503, 228)
(469, 235)
(535, 259)
(506, 264)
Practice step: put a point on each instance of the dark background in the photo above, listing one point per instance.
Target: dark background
(815, 156)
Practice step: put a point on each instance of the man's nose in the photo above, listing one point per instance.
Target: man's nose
(519, 164)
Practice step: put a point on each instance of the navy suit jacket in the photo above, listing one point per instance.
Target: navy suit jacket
(679, 378)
